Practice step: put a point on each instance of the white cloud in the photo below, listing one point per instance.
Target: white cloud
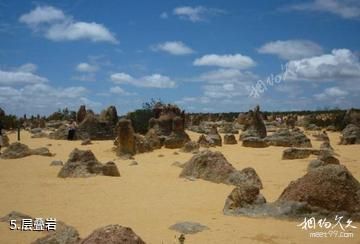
(86, 67)
(85, 77)
(228, 90)
(28, 67)
(117, 90)
(236, 61)
(150, 81)
(292, 49)
(331, 93)
(120, 78)
(12, 78)
(196, 14)
(57, 26)
(173, 47)
(340, 65)
(227, 76)
(43, 99)
(71, 31)
(347, 9)
(42, 14)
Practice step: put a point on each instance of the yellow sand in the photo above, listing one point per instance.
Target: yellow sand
(150, 197)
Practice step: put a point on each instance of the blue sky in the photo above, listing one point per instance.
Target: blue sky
(206, 56)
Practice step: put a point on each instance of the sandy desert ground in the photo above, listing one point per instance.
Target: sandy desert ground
(150, 197)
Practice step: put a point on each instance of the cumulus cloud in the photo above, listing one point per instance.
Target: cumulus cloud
(196, 14)
(28, 67)
(292, 49)
(42, 14)
(339, 65)
(150, 81)
(235, 61)
(86, 67)
(227, 76)
(173, 47)
(117, 90)
(21, 76)
(348, 9)
(71, 31)
(57, 26)
(331, 93)
(43, 98)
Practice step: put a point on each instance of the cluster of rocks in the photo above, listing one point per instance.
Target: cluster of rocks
(66, 234)
(224, 127)
(350, 135)
(211, 139)
(90, 125)
(190, 147)
(167, 127)
(213, 166)
(326, 191)
(299, 153)
(83, 163)
(19, 150)
(254, 124)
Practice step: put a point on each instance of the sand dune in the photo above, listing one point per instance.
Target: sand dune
(150, 197)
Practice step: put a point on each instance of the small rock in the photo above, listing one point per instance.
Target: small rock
(86, 142)
(57, 163)
(178, 164)
(110, 169)
(133, 163)
(187, 227)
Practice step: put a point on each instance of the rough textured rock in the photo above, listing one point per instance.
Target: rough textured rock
(254, 123)
(229, 139)
(57, 163)
(15, 215)
(178, 136)
(6, 140)
(126, 138)
(153, 139)
(288, 138)
(83, 163)
(213, 166)
(298, 153)
(81, 114)
(110, 169)
(113, 234)
(350, 135)
(327, 157)
(190, 147)
(19, 150)
(64, 234)
(228, 128)
(61, 133)
(188, 227)
(86, 142)
(93, 128)
(315, 164)
(243, 198)
(326, 146)
(254, 142)
(141, 144)
(330, 189)
(322, 136)
(40, 135)
(324, 191)
(109, 115)
(205, 141)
